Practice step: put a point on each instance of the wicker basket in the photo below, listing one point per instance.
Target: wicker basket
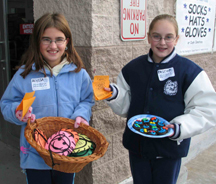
(51, 125)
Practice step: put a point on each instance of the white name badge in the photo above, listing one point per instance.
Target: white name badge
(165, 73)
(40, 83)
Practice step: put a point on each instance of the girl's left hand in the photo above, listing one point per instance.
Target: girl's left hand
(18, 114)
(80, 120)
(170, 126)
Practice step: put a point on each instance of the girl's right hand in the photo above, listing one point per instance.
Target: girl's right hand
(28, 115)
(171, 126)
(107, 89)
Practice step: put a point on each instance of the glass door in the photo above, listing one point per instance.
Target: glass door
(16, 19)
(4, 62)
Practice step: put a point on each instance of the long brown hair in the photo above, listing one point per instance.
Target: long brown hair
(33, 55)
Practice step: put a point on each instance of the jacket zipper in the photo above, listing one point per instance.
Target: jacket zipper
(56, 94)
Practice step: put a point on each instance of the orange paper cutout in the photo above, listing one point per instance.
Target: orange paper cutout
(26, 102)
(101, 81)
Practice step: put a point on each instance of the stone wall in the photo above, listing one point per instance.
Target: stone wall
(95, 26)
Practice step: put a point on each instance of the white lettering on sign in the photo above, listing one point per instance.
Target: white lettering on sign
(133, 20)
(26, 28)
(196, 22)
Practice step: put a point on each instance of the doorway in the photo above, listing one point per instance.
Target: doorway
(15, 17)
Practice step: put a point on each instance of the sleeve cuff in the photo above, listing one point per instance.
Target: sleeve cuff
(114, 92)
(177, 131)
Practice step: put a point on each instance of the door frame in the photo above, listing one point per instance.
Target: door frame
(5, 127)
(4, 62)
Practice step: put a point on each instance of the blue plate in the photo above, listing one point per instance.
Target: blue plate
(141, 116)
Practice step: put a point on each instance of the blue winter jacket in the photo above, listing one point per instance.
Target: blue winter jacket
(68, 94)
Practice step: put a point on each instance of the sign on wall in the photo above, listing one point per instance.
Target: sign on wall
(133, 20)
(196, 26)
(26, 28)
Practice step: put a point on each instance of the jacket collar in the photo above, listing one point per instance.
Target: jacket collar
(64, 67)
(165, 60)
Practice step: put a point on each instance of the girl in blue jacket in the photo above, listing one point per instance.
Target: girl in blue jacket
(164, 84)
(53, 69)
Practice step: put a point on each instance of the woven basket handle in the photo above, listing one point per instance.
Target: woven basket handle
(30, 125)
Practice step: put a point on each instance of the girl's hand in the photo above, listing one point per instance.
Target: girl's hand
(171, 126)
(80, 120)
(107, 89)
(28, 115)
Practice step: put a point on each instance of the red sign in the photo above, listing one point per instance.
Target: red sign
(26, 28)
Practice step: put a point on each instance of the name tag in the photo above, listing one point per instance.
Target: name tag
(40, 83)
(165, 73)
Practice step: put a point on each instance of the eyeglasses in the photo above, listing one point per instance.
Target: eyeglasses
(167, 38)
(47, 41)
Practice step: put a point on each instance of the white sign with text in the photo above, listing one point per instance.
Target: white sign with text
(133, 20)
(196, 26)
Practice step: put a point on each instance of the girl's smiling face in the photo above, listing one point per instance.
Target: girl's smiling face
(161, 49)
(53, 52)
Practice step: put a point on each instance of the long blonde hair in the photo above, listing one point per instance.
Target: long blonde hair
(33, 54)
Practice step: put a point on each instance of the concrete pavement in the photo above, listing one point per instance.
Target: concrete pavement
(10, 172)
(201, 170)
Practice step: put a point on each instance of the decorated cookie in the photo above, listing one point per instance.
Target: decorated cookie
(62, 143)
(146, 125)
(155, 128)
(145, 120)
(162, 131)
(137, 126)
(154, 119)
(151, 123)
(161, 124)
(152, 132)
(139, 122)
(144, 130)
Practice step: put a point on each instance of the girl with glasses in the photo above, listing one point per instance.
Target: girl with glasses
(164, 84)
(53, 69)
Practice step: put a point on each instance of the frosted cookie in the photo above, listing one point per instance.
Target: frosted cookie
(145, 120)
(161, 124)
(137, 125)
(146, 125)
(154, 119)
(162, 131)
